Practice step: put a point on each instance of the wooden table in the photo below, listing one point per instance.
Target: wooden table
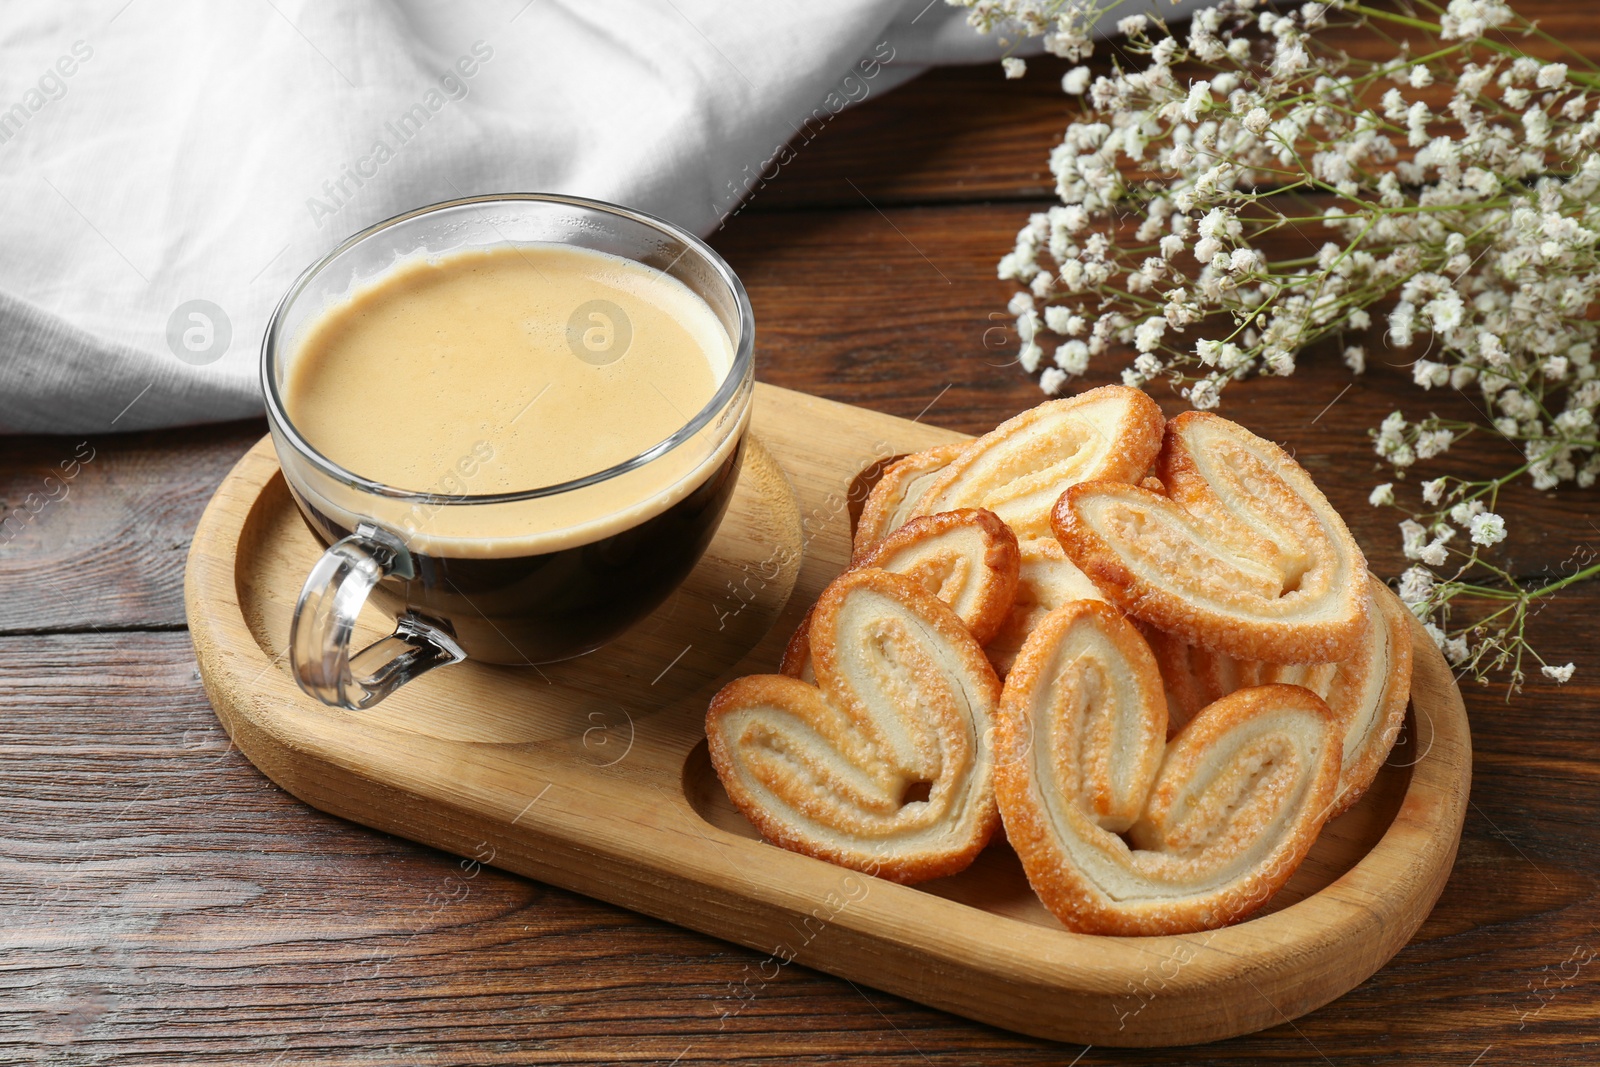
(161, 900)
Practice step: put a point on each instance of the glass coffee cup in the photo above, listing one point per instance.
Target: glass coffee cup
(522, 577)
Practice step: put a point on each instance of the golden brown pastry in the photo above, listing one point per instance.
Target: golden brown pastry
(893, 500)
(1243, 555)
(885, 764)
(1367, 692)
(1121, 831)
(1020, 468)
(1046, 581)
(967, 558)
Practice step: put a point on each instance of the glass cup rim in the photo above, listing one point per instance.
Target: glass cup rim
(731, 384)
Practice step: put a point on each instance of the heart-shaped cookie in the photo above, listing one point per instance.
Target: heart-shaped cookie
(1020, 468)
(895, 497)
(885, 765)
(1046, 580)
(1121, 831)
(968, 559)
(1242, 555)
(1367, 692)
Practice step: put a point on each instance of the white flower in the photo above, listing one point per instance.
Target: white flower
(1413, 537)
(1421, 77)
(1052, 380)
(1029, 356)
(1551, 76)
(1245, 260)
(1492, 349)
(1487, 529)
(1057, 319)
(1433, 491)
(1027, 323)
(1205, 394)
(1537, 126)
(1014, 67)
(1427, 373)
(1456, 650)
(1132, 25)
(1444, 310)
(1075, 81)
(1171, 245)
(1461, 514)
(1257, 120)
(1382, 496)
(1431, 443)
(1199, 100)
(1417, 119)
(1467, 19)
(1073, 357)
(1291, 58)
(1021, 303)
(1394, 105)
(1355, 357)
(1560, 675)
(1148, 336)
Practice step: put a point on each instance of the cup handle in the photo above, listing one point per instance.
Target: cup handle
(325, 616)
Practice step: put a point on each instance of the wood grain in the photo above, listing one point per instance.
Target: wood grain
(125, 806)
(102, 547)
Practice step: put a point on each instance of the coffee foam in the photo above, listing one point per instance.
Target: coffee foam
(486, 371)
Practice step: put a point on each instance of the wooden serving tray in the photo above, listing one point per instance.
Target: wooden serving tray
(592, 775)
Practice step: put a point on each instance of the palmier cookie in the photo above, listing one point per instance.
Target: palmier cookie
(1046, 580)
(1217, 819)
(1367, 692)
(1020, 468)
(885, 764)
(897, 493)
(968, 559)
(1242, 555)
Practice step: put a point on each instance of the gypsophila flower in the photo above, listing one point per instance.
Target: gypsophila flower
(1458, 220)
(1414, 536)
(1416, 585)
(1560, 675)
(1014, 67)
(1487, 529)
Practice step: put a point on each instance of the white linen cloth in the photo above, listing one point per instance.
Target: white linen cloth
(167, 167)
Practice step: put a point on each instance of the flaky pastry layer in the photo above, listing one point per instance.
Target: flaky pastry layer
(1121, 831)
(884, 765)
(967, 558)
(1242, 555)
(1367, 693)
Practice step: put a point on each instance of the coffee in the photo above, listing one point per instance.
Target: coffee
(503, 370)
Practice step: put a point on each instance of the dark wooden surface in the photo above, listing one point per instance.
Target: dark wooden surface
(160, 900)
